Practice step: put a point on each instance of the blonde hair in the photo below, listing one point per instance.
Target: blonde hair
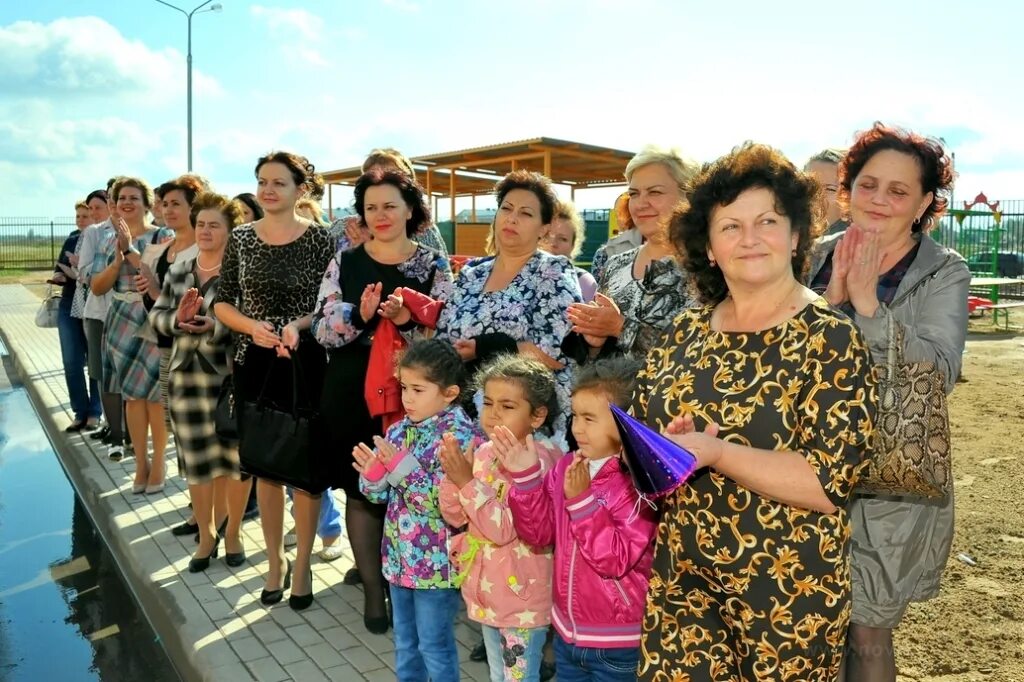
(81, 204)
(313, 206)
(566, 210)
(388, 156)
(683, 171)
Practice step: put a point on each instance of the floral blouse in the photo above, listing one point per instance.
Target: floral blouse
(416, 538)
(648, 305)
(531, 308)
(334, 320)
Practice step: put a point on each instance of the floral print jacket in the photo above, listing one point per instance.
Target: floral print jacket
(416, 537)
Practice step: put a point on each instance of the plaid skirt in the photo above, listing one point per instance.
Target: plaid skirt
(131, 365)
(192, 394)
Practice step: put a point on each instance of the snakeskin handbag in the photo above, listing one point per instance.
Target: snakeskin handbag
(911, 450)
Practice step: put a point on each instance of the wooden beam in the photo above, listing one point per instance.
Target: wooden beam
(490, 162)
(428, 181)
(547, 163)
(472, 214)
(451, 192)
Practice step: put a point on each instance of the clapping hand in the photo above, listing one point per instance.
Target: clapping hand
(355, 232)
(364, 456)
(577, 477)
(124, 235)
(200, 324)
(706, 446)
(864, 267)
(466, 348)
(394, 308)
(596, 321)
(369, 301)
(513, 455)
(146, 283)
(458, 467)
(189, 306)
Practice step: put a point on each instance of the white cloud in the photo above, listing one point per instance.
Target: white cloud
(299, 23)
(86, 57)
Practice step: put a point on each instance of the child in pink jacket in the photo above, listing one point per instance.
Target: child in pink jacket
(602, 532)
(506, 583)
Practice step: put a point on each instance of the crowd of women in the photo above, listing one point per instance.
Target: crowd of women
(481, 465)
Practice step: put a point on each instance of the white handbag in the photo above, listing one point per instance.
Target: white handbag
(46, 316)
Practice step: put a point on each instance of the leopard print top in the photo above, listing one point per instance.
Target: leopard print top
(273, 283)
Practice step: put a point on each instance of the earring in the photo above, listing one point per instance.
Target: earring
(794, 253)
(711, 261)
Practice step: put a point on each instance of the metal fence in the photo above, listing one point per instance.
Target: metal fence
(981, 230)
(32, 243)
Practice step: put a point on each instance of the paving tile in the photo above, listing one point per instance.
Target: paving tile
(248, 648)
(361, 659)
(285, 651)
(267, 670)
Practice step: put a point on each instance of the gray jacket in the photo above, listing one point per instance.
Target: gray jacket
(934, 317)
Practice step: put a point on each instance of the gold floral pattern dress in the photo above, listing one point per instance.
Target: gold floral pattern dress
(744, 587)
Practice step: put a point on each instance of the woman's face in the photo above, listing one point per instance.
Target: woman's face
(385, 212)
(827, 175)
(653, 193)
(560, 238)
(750, 240)
(518, 225)
(131, 204)
(98, 211)
(886, 196)
(247, 215)
(176, 210)
(211, 230)
(276, 190)
(82, 218)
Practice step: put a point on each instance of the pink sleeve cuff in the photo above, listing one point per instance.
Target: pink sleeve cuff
(375, 472)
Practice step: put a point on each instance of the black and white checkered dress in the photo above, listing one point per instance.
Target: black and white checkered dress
(197, 368)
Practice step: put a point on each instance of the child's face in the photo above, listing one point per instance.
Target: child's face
(422, 398)
(593, 426)
(505, 404)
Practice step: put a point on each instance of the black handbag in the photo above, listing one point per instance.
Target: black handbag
(225, 416)
(276, 445)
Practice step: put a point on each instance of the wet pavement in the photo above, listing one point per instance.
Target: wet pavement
(65, 612)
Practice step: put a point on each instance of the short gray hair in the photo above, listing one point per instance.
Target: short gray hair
(682, 170)
(831, 155)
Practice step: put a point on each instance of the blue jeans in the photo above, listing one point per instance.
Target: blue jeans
(85, 402)
(577, 663)
(522, 650)
(425, 634)
(329, 525)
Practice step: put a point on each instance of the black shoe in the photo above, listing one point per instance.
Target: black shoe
(380, 624)
(103, 434)
(234, 559)
(186, 528)
(201, 564)
(478, 653)
(352, 577)
(271, 597)
(547, 671)
(77, 426)
(302, 601)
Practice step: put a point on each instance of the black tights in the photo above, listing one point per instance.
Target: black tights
(869, 655)
(364, 522)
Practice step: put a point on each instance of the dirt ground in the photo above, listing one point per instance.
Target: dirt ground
(974, 630)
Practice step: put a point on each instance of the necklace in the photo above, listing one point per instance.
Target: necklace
(210, 269)
(772, 311)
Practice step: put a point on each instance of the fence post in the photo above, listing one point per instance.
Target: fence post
(53, 257)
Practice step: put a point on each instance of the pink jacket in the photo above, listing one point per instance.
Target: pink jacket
(603, 551)
(507, 582)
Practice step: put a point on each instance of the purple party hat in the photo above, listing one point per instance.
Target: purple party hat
(658, 464)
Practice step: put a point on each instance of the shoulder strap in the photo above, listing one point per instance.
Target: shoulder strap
(917, 285)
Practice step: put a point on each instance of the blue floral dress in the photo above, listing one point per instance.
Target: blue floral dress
(531, 308)
(416, 537)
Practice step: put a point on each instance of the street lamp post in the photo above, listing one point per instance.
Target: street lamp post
(216, 7)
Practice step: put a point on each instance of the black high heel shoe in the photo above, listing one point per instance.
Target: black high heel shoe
(379, 625)
(235, 559)
(302, 601)
(198, 565)
(271, 597)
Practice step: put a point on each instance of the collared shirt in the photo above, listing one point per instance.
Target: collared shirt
(91, 255)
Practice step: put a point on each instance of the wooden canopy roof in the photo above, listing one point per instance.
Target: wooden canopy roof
(473, 172)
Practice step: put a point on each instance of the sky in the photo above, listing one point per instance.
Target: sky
(94, 89)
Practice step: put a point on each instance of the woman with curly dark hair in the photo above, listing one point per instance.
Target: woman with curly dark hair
(268, 286)
(895, 185)
(769, 387)
(361, 287)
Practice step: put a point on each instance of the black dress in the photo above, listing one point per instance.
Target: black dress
(339, 327)
(278, 284)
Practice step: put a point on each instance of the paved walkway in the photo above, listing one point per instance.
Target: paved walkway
(212, 624)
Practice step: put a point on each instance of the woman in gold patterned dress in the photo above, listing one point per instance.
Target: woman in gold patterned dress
(771, 389)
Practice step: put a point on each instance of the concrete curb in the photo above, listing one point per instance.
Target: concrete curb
(162, 612)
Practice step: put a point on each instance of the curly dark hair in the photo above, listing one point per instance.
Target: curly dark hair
(302, 171)
(615, 376)
(190, 185)
(533, 376)
(936, 167)
(539, 184)
(437, 360)
(231, 209)
(749, 166)
(411, 193)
